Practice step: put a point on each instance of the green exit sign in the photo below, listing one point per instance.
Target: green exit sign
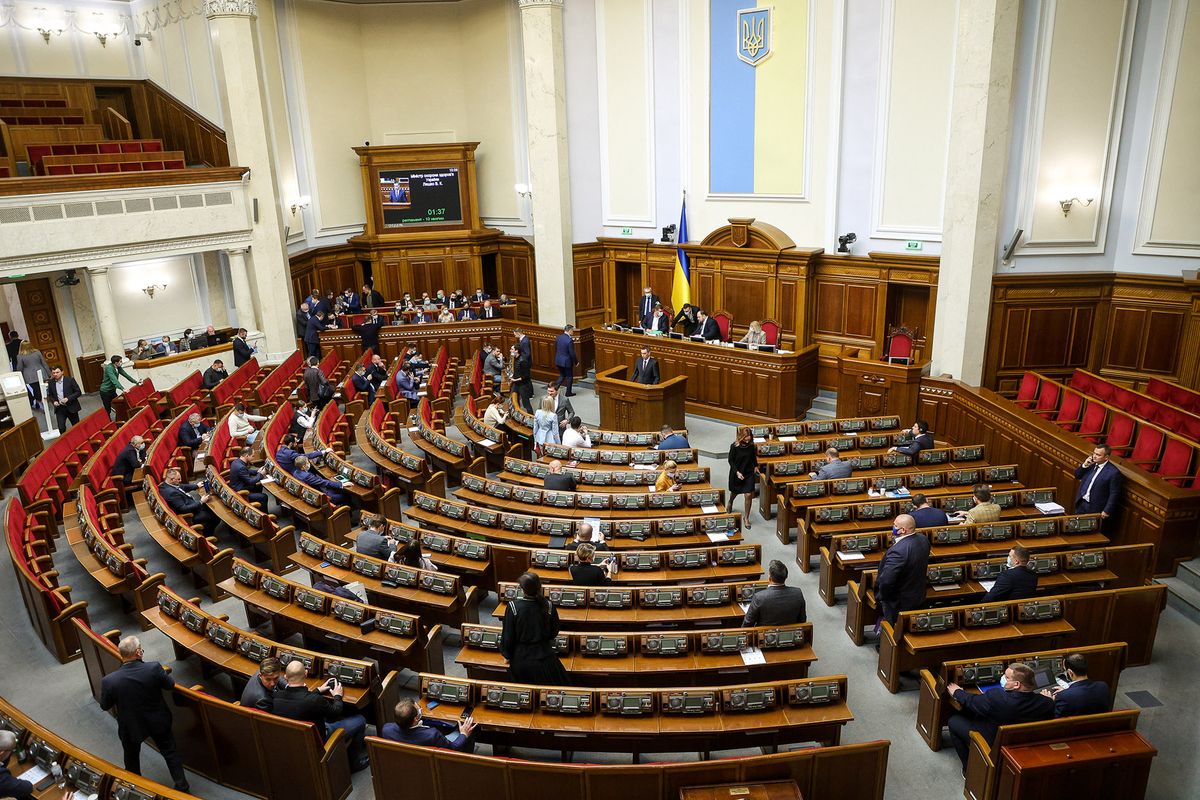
(627, 231)
(911, 245)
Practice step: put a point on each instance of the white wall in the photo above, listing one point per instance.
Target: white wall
(73, 50)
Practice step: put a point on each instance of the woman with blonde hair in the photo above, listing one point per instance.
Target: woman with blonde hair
(584, 572)
(755, 335)
(668, 480)
(545, 425)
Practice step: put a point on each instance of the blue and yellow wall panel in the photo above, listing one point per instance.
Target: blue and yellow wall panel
(758, 65)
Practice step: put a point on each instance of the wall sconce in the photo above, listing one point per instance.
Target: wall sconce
(1066, 204)
(303, 201)
(523, 189)
(154, 287)
(47, 33)
(103, 37)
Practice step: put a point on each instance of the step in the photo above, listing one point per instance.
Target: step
(1189, 573)
(1183, 597)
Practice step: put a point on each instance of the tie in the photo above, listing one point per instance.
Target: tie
(1087, 493)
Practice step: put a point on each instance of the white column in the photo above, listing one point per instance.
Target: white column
(979, 136)
(106, 313)
(243, 102)
(243, 300)
(550, 186)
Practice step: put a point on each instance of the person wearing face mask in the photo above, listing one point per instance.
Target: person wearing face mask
(1017, 581)
(645, 305)
(131, 458)
(900, 584)
(1017, 702)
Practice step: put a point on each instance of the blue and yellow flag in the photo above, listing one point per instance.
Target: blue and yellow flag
(681, 286)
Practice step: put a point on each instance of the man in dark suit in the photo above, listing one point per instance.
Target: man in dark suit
(312, 335)
(565, 359)
(302, 318)
(324, 708)
(411, 728)
(242, 351)
(372, 541)
(362, 383)
(656, 320)
(10, 786)
(377, 371)
(1099, 485)
(900, 583)
(316, 385)
(369, 298)
(926, 515)
(215, 374)
(135, 689)
(368, 330)
(1017, 701)
(1081, 695)
(177, 495)
(645, 369)
(1017, 581)
(63, 393)
(524, 346)
(131, 458)
(194, 434)
(479, 296)
(778, 604)
(646, 304)
(307, 473)
(468, 314)
(489, 311)
(260, 689)
(326, 305)
(245, 478)
(562, 406)
(707, 328)
(834, 467)
(558, 480)
(922, 440)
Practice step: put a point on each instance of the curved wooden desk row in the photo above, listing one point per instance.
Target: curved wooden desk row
(188, 391)
(280, 383)
(260, 754)
(825, 427)
(783, 451)
(446, 453)
(236, 387)
(487, 564)
(1105, 662)
(850, 554)
(628, 531)
(18, 446)
(507, 497)
(332, 434)
(533, 473)
(924, 639)
(658, 659)
(434, 595)
(683, 605)
(47, 481)
(195, 553)
(637, 721)
(97, 472)
(255, 528)
(521, 421)
(375, 434)
(38, 749)
(485, 439)
(963, 581)
(312, 507)
(822, 773)
(617, 457)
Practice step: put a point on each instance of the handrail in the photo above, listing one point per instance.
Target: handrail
(46, 184)
(116, 126)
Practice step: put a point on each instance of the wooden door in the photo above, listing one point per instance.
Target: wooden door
(41, 321)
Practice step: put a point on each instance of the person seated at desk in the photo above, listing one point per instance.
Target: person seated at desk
(1017, 701)
(398, 313)
(372, 541)
(195, 433)
(984, 509)
(177, 495)
(668, 439)
(426, 302)
(668, 478)
(445, 315)
(144, 350)
(289, 450)
(754, 334)
(688, 318)
(406, 385)
(10, 786)
(584, 573)
(496, 414)
(493, 365)
(656, 320)
(211, 338)
(834, 467)
(377, 371)
(778, 604)
(558, 480)
(707, 327)
(325, 709)
(585, 534)
(925, 515)
(411, 727)
(413, 360)
(441, 299)
(246, 478)
(305, 472)
(489, 311)
(1080, 696)
(1017, 581)
(242, 350)
(411, 555)
(479, 296)
(239, 423)
(185, 341)
(576, 434)
(467, 314)
(167, 347)
(131, 458)
(260, 689)
(215, 374)
(645, 369)
(362, 383)
(505, 300)
(922, 440)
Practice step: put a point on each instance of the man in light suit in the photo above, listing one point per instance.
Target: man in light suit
(1099, 485)
(656, 320)
(707, 328)
(1081, 695)
(646, 303)
(63, 394)
(1017, 581)
(834, 467)
(565, 359)
(645, 369)
(778, 604)
(900, 584)
(372, 541)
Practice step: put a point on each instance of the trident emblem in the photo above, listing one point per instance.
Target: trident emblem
(753, 39)
(754, 35)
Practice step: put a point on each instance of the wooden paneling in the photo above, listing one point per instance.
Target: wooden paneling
(181, 128)
(119, 180)
(590, 285)
(517, 275)
(41, 322)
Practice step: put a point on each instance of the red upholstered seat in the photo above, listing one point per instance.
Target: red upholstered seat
(1176, 463)
(900, 346)
(1027, 392)
(109, 147)
(1047, 400)
(1070, 412)
(1121, 432)
(771, 329)
(1147, 446)
(724, 323)
(152, 146)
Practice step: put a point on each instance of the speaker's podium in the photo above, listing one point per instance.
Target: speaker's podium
(629, 406)
(868, 387)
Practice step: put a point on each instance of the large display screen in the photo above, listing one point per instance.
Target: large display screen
(412, 197)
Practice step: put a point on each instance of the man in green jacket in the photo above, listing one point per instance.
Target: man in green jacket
(110, 386)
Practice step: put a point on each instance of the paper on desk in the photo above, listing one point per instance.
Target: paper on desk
(744, 607)
(422, 394)
(752, 655)
(644, 466)
(597, 536)
(413, 429)
(267, 479)
(987, 585)
(850, 556)
(759, 439)
(787, 438)
(718, 537)
(34, 774)
(1050, 508)
(487, 443)
(710, 509)
(945, 587)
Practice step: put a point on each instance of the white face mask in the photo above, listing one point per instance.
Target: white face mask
(1009, 564)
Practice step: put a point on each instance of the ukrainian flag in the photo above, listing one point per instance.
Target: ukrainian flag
(757, 112)
(681, 286)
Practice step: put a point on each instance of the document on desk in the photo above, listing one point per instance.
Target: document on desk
(645, 466)
(850, 556)
(787, 438)
(987, 585)
(752, 655)
(1050, 508)
(487, 443)
(267, 479)
(744, 607)
(710, 509)
(718, 537)
(34, 774)
(413, 429)
(759, 439)
(945, 587)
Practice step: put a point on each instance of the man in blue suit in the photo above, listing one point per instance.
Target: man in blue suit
(411, 728)
(1099, 486)
(362, 383)
(668, 439)
(1017, 581)
(194, 433)
(707, 328)
(312, 334)
(1081, 695)
(406, 384)
(656, 320)
(468, 314)
(243, 477)
(565, 359)
(1018, 701)
(307, 473)
(922, 440)
(647, 303)
(925, 515)
(900, 583)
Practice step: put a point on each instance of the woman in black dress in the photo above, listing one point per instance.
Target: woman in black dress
(522, 379)
(743, 473)
(527, 638)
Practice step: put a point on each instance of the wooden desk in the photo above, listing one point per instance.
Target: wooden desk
(169, 370)
(775, 790)
(867, 387)
(629, 406)
(1113, 766)
(723, 382)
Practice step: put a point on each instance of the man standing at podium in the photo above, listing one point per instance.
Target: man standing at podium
(565, 359)
(645, 370)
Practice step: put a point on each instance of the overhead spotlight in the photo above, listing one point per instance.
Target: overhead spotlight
(845, 240)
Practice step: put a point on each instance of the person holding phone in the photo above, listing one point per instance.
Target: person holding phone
(411, 727)
(585, 573)
(324, 708)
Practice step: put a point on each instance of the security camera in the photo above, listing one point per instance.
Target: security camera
(137, 42)
(845, 240)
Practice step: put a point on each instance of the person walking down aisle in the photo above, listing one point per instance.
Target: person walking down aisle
(527, 637)
(743, 473)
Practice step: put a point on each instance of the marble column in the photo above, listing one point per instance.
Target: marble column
(980, 129)
(243, 300)
(106, 313)
(232, 24)
(546, 133)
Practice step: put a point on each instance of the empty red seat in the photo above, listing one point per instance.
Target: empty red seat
(175, 163)
(1027, 391)
(85, 169)
(152, 146)
(1175, 466)
(1147, 446)
(131, 147)
(1070, 412)
(108, 167)
(1121, 431)
(59, 169)
(108, 147)
(1159, 389)
(1047, 400)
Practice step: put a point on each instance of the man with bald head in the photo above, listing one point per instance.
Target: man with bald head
(324, 708)
(900, 584)
(10, 786)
